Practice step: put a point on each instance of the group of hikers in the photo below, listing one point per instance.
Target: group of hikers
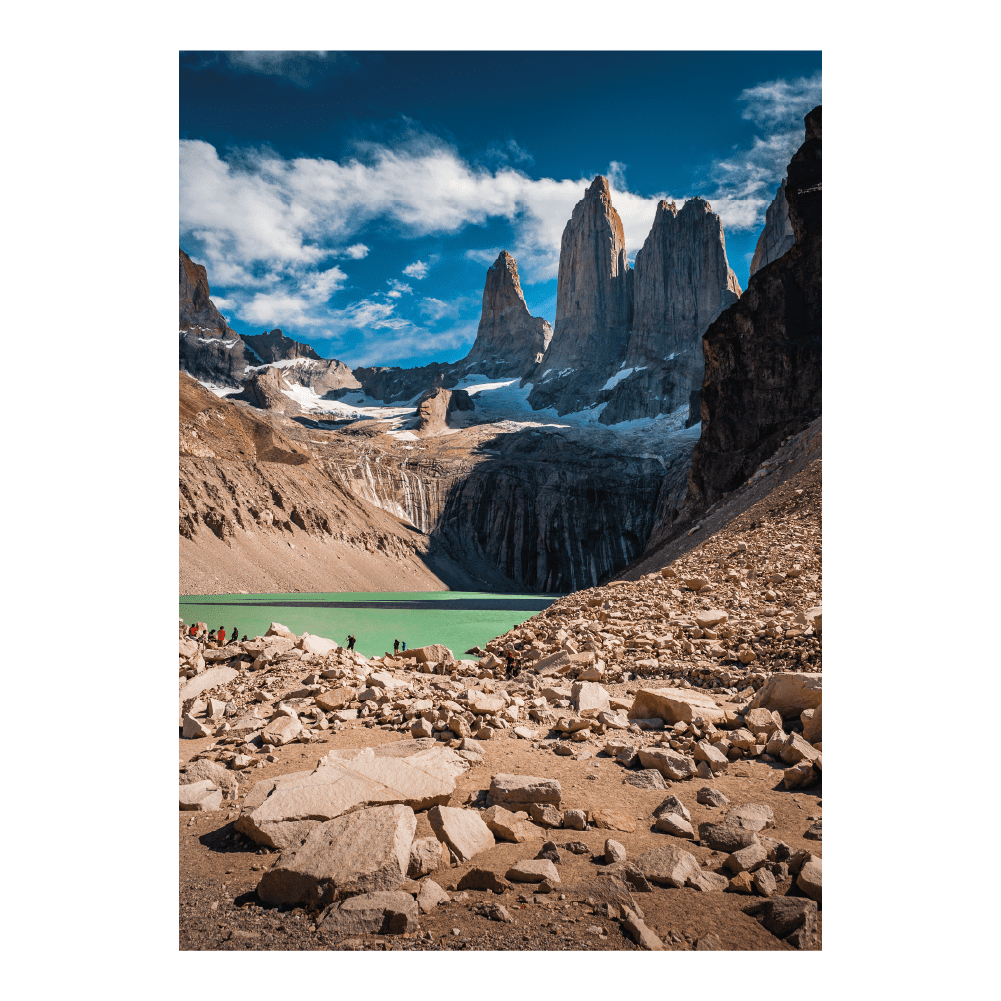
(215, 637)
(396, 645)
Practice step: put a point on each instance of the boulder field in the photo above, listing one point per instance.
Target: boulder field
(650, 778)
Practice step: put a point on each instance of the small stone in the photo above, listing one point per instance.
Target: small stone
(425, 857)
(463, 831)
(483, 879)
(750, 817)
(640, 933)
(673, 805)
(708, 796)
(707, 882)
(810, 878)
(750, 858)
(815, 831)
(764, 883)
(741, 883)
(430, 896)
(724, 838)
(533, 871)
(671, 823)
(575, 820)
(647, 778)
(614, 851)
(545, 814)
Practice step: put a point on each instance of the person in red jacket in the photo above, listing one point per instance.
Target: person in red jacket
(221, 636)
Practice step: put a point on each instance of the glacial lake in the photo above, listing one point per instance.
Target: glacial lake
(459, 619)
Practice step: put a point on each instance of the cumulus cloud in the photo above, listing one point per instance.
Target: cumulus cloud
(356, 251)
(416, 270)
(397, 288)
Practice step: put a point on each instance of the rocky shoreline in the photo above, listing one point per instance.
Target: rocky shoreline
(651, 779)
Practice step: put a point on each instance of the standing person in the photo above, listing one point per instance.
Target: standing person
(509, 672)
(351, 643)
(396, 646)
(404, 646)
(236, 635)
(221, 636)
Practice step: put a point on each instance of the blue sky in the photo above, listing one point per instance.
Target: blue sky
(356, 199)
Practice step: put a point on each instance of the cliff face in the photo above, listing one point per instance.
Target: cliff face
(558, 517)
(208, 348)
(509, 341)
(593, 306)
(275, 346)
(777, 236)
(682, 283)
(763, 355)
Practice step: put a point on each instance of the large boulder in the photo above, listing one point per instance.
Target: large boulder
(282, 730)
(523, 789)
(319, 645)
(379, 913)
(336, 698)
(670, 764)
(212, 771)
(201, 795)
(359, 853)
(588, 695)
(409, 772)
(211, 678)
(463, 831)
(671, 865)
(674, 705)
(814, 727)
(790, 693)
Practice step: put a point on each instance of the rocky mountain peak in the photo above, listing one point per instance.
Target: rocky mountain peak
(682, 283)
(593, 305)
(275, 346)
(509, 340)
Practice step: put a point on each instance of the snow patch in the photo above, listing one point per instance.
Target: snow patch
(623, 373)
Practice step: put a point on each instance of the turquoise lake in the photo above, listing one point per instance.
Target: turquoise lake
(459, 619)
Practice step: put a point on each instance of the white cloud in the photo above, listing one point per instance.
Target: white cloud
(781, 102)
(356, 251)
(437, 309)
(220, 303)
(416, 270)
(397, 288)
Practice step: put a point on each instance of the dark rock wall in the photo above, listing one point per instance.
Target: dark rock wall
(763, 355)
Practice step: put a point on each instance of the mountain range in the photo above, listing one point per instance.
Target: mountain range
(549, 458)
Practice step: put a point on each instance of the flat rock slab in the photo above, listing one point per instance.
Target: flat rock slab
(352, 779)
(750, 816)
(533, 871)
(463, 831)
(282, 730)
(524, 789)
(360, 853)
(790, 693)
(555, 663)
(671, 764)
(611, 820)
(336, 698)
(671, 865)
(484, 705)
(203, 795)
(645, 778)
(675, 705)
(379, 913)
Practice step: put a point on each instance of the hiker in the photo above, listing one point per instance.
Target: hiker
(236, 635)
(193, 631)
(351, 643)
(396, 646)
(210, 639)
(509, 672)
(221, 636)
(404, 646)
